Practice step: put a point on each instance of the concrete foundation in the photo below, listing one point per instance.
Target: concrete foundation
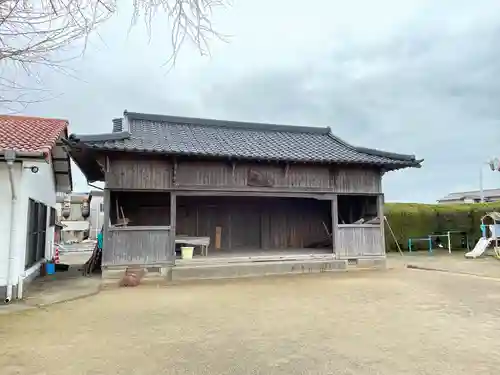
(166, 274)
(185, 271)
(228, 271)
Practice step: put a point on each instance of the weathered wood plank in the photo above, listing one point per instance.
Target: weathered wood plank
(295, 177)
(357, 241)
(281, 193)
(138, 246)
(139, 174)
(222, 174)
(173, 222)
(158, 174)
(107, 209)
(335, 223)
(381, 201)
(357, 180)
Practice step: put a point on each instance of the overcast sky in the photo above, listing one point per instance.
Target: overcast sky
(413, 76)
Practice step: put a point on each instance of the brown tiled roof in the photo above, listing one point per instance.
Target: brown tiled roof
(29, 134)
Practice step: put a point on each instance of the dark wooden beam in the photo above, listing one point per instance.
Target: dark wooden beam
(380, 202)
(107, 208)
(335, 225)
(269, 194)
(173, 220)
(357, 194)
(174, 171)
(202, 190)
(102, 164)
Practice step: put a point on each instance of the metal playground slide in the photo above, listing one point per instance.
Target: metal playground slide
(480, 248)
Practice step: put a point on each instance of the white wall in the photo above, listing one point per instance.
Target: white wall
(5, 207)
(39, 186)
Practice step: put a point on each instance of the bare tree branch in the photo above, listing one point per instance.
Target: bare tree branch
(36, 33)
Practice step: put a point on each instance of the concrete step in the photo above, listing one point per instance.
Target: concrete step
(252, 269)
(252, 258)
(166, 274)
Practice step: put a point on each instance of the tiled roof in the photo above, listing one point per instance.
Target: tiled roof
(29, 134)
(214, 138)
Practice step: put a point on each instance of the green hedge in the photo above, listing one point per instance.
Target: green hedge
(419, 220)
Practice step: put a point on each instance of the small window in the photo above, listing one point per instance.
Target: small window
(101, 207)
(36, 234)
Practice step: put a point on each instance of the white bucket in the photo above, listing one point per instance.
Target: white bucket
(187, 252)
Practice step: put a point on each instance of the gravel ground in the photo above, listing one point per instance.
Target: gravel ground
(395, 322)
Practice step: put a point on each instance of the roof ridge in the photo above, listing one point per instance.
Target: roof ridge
(104, 137)
(258, 126)
(33, 117)
(375, 152)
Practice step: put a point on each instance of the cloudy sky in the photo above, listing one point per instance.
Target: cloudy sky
(413, 76)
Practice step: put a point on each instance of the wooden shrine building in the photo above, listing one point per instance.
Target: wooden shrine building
(246, 189)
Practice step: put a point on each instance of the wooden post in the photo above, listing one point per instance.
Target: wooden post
(173, 220)
(218, 237)
(380, 202)
(335, 225)
(105, 238)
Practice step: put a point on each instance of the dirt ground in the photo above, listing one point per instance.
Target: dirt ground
(399, 321)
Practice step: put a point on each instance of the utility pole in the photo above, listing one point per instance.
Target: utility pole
(481, 190)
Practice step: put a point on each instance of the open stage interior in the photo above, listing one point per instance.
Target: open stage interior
(243, 226)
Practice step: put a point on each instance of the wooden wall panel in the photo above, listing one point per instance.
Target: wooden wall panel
(221, 174)
(357, 180)
(138, 246)
(296, 177)
(359, 241)
(162, 174)
(139, 174)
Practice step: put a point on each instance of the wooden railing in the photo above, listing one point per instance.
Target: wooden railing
(357, 241)
(144, 245)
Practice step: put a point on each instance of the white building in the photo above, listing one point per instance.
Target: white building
(490, 195)
(33, 167)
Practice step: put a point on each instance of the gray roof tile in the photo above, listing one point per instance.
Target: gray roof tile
(213, 138)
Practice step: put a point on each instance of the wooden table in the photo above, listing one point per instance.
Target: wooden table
(204, 242)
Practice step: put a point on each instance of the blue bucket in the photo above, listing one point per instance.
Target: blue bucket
(50, 268)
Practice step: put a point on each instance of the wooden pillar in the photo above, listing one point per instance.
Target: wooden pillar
(380, 202)
(173, 220)
(105, 238)
(335, 225)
